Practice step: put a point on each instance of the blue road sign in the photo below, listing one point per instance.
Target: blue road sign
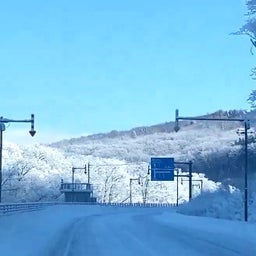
(162, 169)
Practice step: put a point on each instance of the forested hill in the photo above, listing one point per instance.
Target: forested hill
(167, 127)
(214, 146)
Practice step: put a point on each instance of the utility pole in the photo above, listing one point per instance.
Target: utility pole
(3, 121)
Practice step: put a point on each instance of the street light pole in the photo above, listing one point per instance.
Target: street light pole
(3, 120)
(245, 170)
(2, 128)
(73, 179)
(246, 127)
(73, 173)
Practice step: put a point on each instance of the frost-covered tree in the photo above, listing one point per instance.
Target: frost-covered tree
(249, 28)
(144, 188)
(252, 98)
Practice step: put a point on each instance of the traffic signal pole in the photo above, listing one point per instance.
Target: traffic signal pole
(189, 176)
(246, 127)
(3, 121)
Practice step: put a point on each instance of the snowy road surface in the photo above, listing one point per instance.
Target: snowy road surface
(94, 230)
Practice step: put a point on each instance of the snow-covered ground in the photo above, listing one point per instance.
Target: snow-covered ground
(73, 230)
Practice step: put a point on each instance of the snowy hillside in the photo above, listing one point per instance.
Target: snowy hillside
(214, 151)
(182, 145)
(34, 173)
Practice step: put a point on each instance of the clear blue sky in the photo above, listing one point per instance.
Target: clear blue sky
(85, 67)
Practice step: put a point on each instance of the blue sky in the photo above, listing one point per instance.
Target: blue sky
(94, 66)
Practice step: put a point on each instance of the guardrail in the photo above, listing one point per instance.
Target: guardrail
(21, 207)
(138, 204)
(7, 209)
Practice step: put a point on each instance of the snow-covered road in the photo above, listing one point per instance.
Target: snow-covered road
(88, 230)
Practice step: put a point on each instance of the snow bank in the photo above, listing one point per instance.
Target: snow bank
(226, 204)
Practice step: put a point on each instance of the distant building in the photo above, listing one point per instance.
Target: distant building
(77, 192)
